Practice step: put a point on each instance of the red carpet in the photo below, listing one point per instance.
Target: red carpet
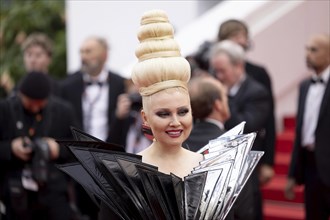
(276, 206)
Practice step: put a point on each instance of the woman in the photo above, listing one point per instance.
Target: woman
(162, 76)
(139, 186)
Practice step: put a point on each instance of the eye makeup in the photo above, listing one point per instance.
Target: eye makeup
(163, 113)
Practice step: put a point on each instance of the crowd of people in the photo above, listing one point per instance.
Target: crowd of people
(181, 103)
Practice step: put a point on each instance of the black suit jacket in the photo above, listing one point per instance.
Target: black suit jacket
(260, 74)
(72, 90)
(252, 104)
(201, 134)
(322, 138)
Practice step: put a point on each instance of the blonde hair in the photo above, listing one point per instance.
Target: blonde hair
(160, 65)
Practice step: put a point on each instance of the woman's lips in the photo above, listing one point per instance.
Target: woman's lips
(174, 133)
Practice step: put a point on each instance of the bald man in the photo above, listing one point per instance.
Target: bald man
(310, 162)
(93, 92)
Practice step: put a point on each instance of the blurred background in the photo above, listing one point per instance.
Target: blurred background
(278, 31)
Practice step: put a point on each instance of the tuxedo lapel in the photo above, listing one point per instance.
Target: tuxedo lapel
(302, 101)
(112, 95)
(325, 101)
(238, 98)
(241, 91)
(77, 93)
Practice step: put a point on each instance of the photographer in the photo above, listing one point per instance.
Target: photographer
(31, 186)
(126, 129)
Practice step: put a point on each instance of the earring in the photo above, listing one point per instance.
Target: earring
(146, 130)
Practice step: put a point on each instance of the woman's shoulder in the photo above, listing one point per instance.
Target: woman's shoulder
(146, 158)
(193, 156)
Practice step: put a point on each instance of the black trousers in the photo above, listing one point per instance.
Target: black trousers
(317, 194)
(42, 205)
(244, 206)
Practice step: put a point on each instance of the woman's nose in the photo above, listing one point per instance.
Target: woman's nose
(175, 121)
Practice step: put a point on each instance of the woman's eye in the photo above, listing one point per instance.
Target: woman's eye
(162, 114)
(183, 112)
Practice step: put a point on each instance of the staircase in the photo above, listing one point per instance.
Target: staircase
(276, 206)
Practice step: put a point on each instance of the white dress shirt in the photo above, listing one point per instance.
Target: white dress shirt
(312, 109)
(95, 105)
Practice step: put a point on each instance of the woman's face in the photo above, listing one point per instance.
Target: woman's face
(168, 113)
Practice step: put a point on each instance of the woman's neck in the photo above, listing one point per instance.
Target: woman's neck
(171, 159)
(159, 150)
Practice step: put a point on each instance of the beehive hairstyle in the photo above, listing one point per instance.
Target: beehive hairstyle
(160, 65)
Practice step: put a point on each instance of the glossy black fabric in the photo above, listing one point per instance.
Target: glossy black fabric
(193, 186)
(79, 174)
(107, 175)
(94, 145)
(131, 189)
(126, 188)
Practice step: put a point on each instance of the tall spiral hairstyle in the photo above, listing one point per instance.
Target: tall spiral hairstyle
(160, 64)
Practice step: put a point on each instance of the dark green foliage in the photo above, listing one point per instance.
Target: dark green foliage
(18, 19)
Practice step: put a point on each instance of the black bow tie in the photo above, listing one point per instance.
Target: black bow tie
(317, 80)
(89, 83)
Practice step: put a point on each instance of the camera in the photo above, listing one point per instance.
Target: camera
(202, 56)
(136, 100)
(39, 161)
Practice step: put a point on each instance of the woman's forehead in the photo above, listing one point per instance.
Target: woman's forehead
(169, 98)
(170, 94)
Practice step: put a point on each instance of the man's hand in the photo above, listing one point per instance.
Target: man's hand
(54, 148)
(18, 149)
(289, 189)
(123, 106)
(266, 173)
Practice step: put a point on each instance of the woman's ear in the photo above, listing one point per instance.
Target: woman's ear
(146, 130)
(144, 117)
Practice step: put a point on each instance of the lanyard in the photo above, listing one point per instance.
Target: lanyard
(90, 106)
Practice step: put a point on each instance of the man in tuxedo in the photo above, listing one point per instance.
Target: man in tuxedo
(310, 164)
(93, 91)
(248, 101)
(210, 110)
